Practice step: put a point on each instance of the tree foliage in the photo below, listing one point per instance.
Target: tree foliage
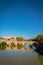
(38, 38)
(19, 38)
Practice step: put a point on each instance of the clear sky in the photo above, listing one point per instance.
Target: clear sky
(21, 18)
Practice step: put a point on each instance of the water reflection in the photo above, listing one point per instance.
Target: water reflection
(21, 56)
(18, 57)
(40, 58)
(33, 47)
(26, 46)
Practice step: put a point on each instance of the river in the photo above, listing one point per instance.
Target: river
(20, 57)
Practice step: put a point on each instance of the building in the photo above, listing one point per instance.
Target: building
(9, 40)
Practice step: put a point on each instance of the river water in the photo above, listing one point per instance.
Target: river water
(20, 57)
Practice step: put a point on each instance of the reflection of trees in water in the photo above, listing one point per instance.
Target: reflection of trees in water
(40, 59)
(6, 46)
(3, 45)
(19, 46)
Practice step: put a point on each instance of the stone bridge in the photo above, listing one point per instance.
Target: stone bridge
(15, 41)
(21, 42)
(26, 42)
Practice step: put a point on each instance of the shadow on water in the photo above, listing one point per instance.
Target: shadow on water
(39, 52)
(36, 50)
(38, 47)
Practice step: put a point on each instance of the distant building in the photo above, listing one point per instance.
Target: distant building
(8, 40)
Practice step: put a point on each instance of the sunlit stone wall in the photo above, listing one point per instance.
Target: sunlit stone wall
(13, 39)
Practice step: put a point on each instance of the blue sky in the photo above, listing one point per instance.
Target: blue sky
(21, 18)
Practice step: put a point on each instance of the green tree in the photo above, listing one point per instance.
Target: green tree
(19, 38)
(40, 37)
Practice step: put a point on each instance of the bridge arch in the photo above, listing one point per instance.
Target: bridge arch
(26, 46)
